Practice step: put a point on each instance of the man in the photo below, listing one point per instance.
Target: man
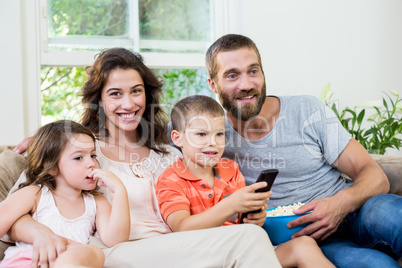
(304, 140)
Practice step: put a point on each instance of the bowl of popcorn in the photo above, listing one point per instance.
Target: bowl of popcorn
(277, 218)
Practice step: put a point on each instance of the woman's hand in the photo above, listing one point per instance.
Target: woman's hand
(47, 247)
(46, 244)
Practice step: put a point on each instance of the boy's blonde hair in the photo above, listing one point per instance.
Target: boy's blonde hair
(191, 106)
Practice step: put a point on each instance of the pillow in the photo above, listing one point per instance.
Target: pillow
(2, 147)
(11, 167)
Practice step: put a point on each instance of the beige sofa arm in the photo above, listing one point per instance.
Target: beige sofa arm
(392, 166)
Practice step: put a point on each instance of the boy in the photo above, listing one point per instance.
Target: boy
(201, 190)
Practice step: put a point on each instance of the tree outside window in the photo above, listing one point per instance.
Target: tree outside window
(159, 26)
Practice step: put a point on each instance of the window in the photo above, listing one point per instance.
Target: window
(172, 36)
(60, 89)
(173, 33)
(61, 86)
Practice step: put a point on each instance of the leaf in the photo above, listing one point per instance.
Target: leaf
(378, 112)
(372, 117)
(326, 93)
(398, 108)
(351, 112)
(392, 102)
(385, 104)
(360, 117)
(393, 92)
(333, 108)
(370, 104)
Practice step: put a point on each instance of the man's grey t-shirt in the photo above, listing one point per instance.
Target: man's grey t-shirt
(305, 141)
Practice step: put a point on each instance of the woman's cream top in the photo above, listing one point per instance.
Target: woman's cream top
(140, 180)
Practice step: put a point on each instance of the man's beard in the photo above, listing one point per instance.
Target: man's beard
(243, 112)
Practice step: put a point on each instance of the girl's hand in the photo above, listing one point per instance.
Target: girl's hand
(107, 179)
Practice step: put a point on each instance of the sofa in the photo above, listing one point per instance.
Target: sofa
(12, 164)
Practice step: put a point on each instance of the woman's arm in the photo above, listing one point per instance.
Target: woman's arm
(112, 221)
(47, 246)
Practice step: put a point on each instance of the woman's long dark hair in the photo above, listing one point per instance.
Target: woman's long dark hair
(152, 127)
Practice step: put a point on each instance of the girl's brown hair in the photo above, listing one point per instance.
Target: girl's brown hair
(152, 127)
(45, 149)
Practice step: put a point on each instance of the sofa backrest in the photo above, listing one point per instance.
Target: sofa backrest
(392, 166)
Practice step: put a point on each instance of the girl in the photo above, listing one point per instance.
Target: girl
(61, 174)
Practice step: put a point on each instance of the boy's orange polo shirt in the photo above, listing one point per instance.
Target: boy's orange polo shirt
(178, 189)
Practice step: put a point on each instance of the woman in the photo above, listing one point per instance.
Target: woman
(121, 101)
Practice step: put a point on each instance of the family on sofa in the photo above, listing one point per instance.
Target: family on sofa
(349, 220)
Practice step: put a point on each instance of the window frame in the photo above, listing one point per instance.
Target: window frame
(153, 59)
(36, 54)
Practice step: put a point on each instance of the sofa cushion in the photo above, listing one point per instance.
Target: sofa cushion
(11, 166)
(2, 147)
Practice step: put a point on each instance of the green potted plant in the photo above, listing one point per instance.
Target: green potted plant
(384, 124)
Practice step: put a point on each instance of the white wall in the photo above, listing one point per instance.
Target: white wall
(305, 44)
(19, 71)
(354, 45)
(11, 95)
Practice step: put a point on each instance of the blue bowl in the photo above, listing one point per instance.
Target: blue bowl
(275, 226)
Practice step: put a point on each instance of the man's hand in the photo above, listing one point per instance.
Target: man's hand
(22, 146)
(327, 214)
(47, 248)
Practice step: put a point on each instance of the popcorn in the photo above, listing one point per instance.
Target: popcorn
(284, 210)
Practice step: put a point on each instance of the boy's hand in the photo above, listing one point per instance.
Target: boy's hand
(246, 199)
(257, 218)
(107, 179)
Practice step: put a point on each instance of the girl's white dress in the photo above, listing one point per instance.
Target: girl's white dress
(47, 213)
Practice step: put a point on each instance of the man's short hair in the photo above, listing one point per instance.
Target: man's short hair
(225, 43)
(192, 106)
